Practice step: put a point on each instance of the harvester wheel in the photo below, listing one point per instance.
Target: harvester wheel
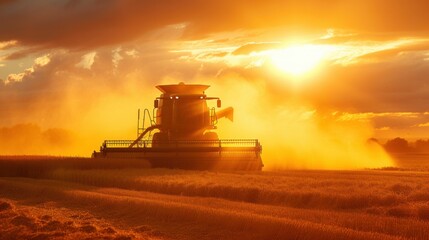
(159, 139)
(211, 136)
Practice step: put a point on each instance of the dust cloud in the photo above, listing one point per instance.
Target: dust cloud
(76, 121)
(295, 135)
(30, 139)
(62, 109)
(72, 116)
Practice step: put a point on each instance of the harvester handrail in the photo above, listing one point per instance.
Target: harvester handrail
(183, 143)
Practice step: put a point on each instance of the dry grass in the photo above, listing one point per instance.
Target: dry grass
(178, 204)
(377, 192)
(207, 215)
(47, 221)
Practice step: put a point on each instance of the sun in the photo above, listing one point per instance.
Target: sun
(299, 59)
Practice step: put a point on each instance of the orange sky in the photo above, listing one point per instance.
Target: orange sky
(87, 65)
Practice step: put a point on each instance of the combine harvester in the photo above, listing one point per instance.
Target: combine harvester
(181, 135)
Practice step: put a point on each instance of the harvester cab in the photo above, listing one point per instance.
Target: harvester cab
(184, 134)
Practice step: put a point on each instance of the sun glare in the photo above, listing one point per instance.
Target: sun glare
(299, 59)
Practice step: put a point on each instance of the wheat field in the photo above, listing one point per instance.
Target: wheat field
(73, 201)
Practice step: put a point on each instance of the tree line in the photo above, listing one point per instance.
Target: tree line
(398, 145)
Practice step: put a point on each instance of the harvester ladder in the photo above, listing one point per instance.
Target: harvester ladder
(151, 119)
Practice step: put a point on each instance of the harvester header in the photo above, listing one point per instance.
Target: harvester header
(180, 134)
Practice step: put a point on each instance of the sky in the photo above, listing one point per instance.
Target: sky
(337, 70)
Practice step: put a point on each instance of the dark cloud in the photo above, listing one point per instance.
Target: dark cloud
(84, 24)
(4, 2)
(91, 23)
(399, 84)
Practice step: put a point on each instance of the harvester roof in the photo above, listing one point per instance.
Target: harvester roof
(182, 88)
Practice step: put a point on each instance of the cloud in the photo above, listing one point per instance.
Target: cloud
(390, 85)
(387, 120)
(22, 52)
(4, 2)
(31, 139)
(87, 60)
(354, 77)
(104, 57)
(256, 47)
(18, 77)
(92, 23)
(93, 93)
(418, 45)
(423, 124)
(100, 103)
(7, 44)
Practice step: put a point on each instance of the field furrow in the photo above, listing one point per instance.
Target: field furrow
(171, 214)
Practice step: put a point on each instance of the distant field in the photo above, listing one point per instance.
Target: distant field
(412, 161)
(71, 201)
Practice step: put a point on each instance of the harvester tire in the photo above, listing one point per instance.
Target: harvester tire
(211, 136)
(160, 139)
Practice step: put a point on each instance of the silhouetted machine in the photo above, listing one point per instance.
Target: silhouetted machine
(183, 135)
